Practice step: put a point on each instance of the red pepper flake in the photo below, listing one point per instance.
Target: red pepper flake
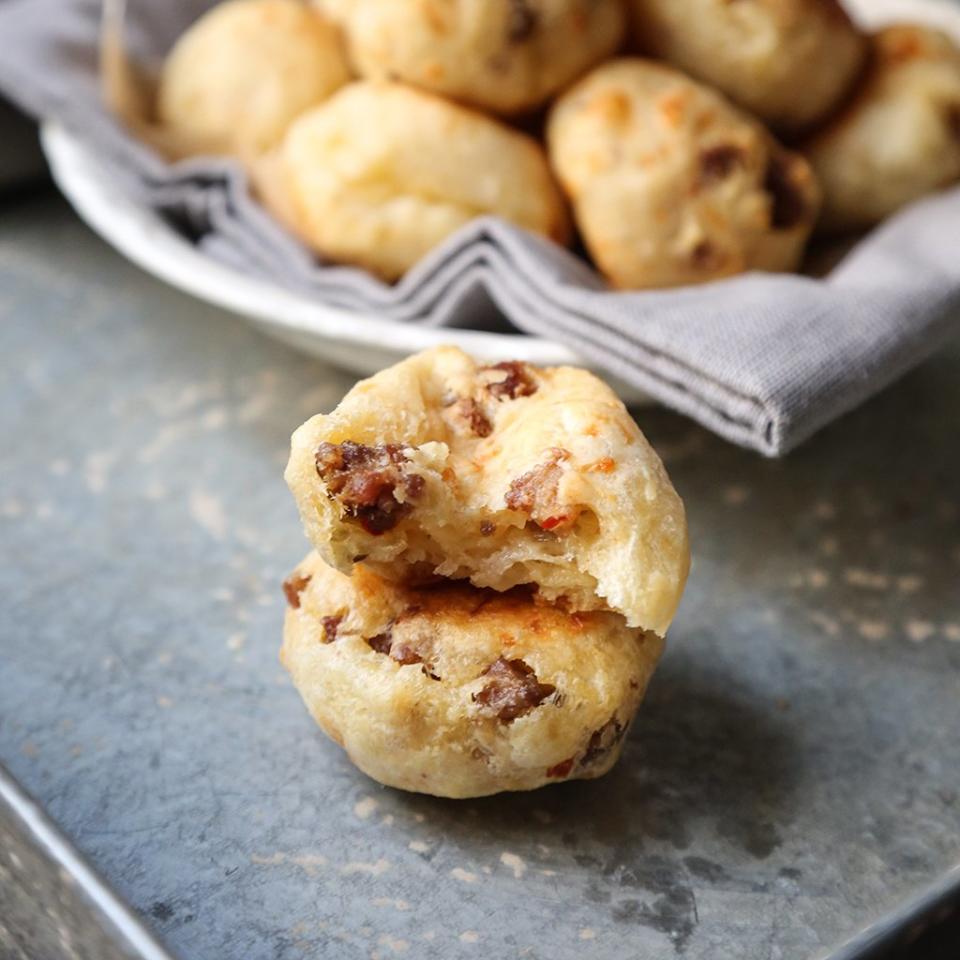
(561, 769)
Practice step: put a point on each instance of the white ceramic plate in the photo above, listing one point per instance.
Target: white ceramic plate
(361, 343)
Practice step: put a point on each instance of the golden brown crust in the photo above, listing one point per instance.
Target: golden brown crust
(381, 173)
(789, 62)
(558, 488)
(505, 56)
(462, 692)
(243, 72)
(671, 184)
(898, 138)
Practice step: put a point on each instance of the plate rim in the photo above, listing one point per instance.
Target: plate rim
(140, 235)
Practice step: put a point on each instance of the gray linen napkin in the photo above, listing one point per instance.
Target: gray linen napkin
(764, 360)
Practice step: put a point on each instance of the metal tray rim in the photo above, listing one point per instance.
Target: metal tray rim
(107, 909)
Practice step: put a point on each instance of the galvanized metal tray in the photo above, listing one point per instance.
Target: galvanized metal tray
(793, 777)
(51, 903)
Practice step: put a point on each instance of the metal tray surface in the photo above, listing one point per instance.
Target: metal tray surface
(793, 776)
(51, 903)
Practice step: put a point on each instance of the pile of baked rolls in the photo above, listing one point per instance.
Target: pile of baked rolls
(686, 140)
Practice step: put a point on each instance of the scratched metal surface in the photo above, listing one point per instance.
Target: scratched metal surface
(51, 904)
(794, 772)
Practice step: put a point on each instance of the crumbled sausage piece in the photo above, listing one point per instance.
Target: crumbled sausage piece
(561, 769)
(788, 208)
(533, 488)
(293, 586)
(365, 480)
(330, 627)
(512, 690)
(487, 528)
(381, 642)
(705, 256)
(602, 741)
(401, 652)
(535, 493)
(521, 21)
(404, 654)
(471, 414)
(718, 162)
(516, 383)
